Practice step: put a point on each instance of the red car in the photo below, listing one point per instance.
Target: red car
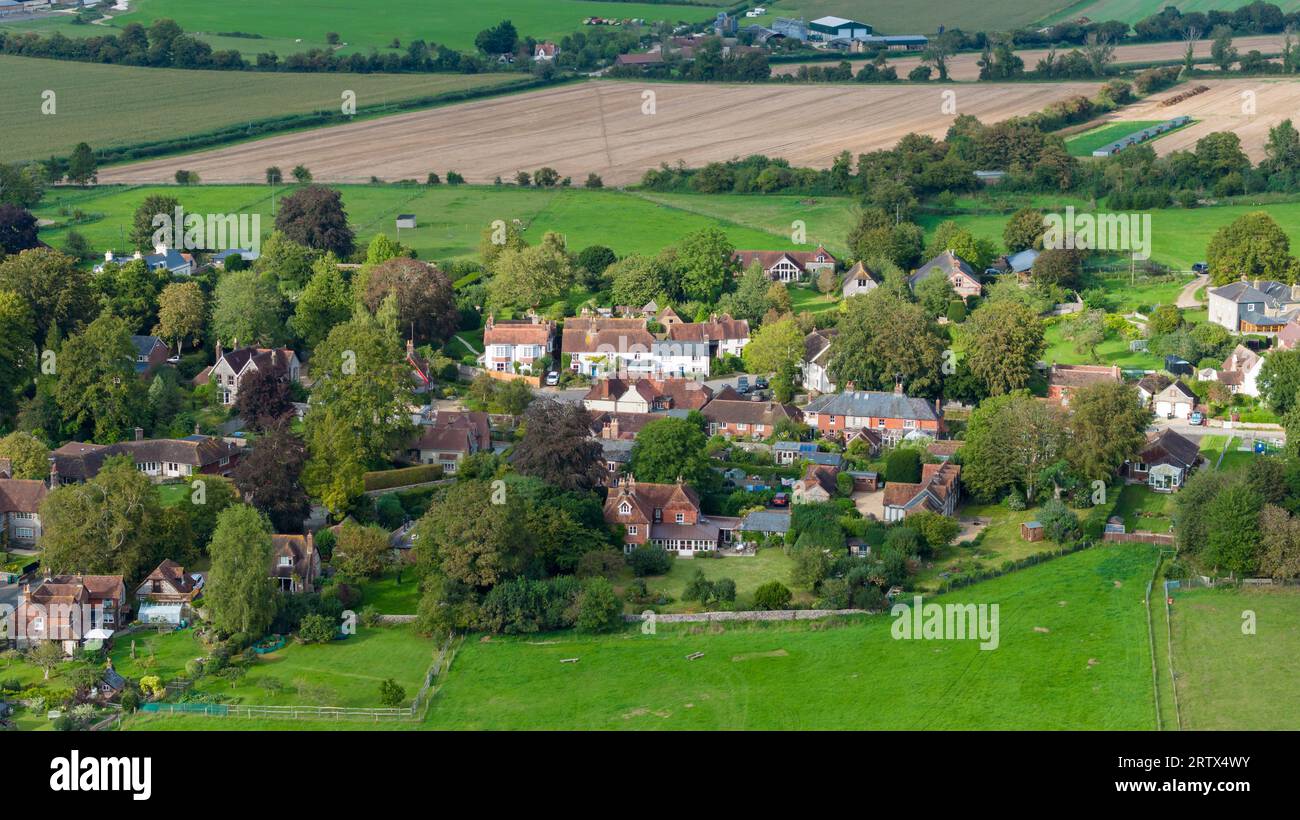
(780, 500)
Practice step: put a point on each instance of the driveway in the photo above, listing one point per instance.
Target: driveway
(870, 505)
(1187, 296)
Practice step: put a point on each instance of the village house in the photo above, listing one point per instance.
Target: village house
(1262, 307)
(893, 416)
(666, 516)
(151, 353)
(616, 395)
(787, 266)
(818, 484)
(1064, 379)
(617, 455)
(20, 504)
(858, 280)
(792, 452)
(75, 610)
(166, 594)
(449, 437)
(724, 335)
(163, 258)
(1151, 384)
(295, 563)
(233, 366)
(161, 459)
(1240, 371)
(599, 347)
(1177, 401)
(618, 426)
(546, 52)
(732, 415)
(515, 346)
(1289, 336)
(938, 491)
(1165, 462)
(680, 358)
(816, 357)
(959, 272)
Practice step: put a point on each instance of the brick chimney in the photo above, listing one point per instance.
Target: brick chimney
(490, 321)
(848, 387)
(898, 387)
(54, 472)
(139, 434)
(613, 427)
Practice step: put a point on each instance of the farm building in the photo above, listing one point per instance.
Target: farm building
(1141, 136)
(1031, 531)
(831, 27)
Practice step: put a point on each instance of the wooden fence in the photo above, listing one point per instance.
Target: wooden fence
(1164, 539)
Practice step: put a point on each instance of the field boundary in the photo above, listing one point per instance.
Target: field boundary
(1169, 637)
(745, 615)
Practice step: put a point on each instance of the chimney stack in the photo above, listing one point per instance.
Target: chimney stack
(197, 431)
(898, 387)
(54, 472)
(139, 434)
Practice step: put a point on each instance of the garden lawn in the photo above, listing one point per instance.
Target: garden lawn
(1144, 509)
(812, 300)
(769, 564)
(339, 673)
(391, 598)
(1073, 654)
(1230, 680)
(1113, 350)
(1001, 542)
(173, 494)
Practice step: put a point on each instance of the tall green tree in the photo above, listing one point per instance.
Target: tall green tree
(17, 352)
(705, 264)
(56, 290)
(884, 339)
(248, 309)
(1107, 426)
(325, 302)
(97, 389)
(239, 593)
(671, 448)
(1252, 246)
(1003, 342)
(1010, 439)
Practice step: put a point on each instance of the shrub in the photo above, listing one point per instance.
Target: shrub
(391, 693)
(316, 629)
(647, 560)
(772, 595)
(599, 608)
(903, 466)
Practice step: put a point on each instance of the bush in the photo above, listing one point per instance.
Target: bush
(647, 560)
(903, 466)
(599, 608)
(316, 629)
(387, 479)
(391, 693)
(772, 595)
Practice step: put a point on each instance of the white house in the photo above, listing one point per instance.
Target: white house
(515, 346)
(816, 357)
(1240, 371)
(723, 335)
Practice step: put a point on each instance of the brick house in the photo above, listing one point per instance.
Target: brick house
(732, 415)
(618, 395)
(168, 584)
(666, 516)
(151, 353)
(788, 266)
(231, 368)
(891, 415)
(451, 437)
(1063, 379)
(20, 504)
(938, 491)
(71, 609)
(511, 344)
(958, 271)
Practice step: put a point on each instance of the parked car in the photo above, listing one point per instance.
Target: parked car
(761, 382)
(742, 385)
(781, 500)
(1197, 418)
(1201, 267)
(552, 378)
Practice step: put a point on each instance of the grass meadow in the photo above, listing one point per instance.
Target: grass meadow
(108, 105)
(1082, 145)
(288, 26)
(1228, 679)
(1131, 11)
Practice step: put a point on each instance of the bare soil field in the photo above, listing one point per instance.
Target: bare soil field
(965, 66)
(610, 128)
(1248, 107)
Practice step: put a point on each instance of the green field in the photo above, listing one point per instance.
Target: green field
(749, 572)
(903, 17)
(108, 105)
(1230, 680)
(1090, 668)
(1131, 11)
(298, 25)
(451, 219)
(340, 673)
(1082, 145)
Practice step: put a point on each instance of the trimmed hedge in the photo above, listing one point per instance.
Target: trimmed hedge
(388, 479)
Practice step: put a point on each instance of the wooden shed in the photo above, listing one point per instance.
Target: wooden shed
(1031, 531)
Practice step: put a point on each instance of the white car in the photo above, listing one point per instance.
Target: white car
(552, 378)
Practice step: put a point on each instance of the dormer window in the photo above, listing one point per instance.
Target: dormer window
(285, 561)
(681, 518)
(624, 508)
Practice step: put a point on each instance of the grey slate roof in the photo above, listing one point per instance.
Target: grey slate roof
(874, 404)
(766, 521)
